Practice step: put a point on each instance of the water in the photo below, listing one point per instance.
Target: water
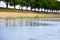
(29, 29)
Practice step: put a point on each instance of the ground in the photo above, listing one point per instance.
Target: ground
(6, 13)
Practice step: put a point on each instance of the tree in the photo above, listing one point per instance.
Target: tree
(21, 3)
(32, 3)
(57, 6)
(13, 3)
(46, 4)
(37, 4)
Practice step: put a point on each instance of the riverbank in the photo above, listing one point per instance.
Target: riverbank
(13, 13)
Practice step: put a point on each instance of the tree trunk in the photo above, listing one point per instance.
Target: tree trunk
(22, 8)
(58, 11)
(47, 10)
(27, 8)
(54, 11)
(34, 9)
(19, 7)
(41, 9)
(44, 10)
(38, 9)
(14, 6)
(6, 4)
(31, 8)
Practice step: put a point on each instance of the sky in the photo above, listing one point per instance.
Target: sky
(58, 0)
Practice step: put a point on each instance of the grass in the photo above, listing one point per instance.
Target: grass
(15, 13)
(30, 17)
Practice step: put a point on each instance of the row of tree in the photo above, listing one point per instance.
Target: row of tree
(46, 4)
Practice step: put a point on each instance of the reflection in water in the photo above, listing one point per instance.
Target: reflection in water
(39, 24)
(33, 39)
(29, 31)
(22, 22)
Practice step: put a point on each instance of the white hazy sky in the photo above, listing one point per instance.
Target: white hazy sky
(58, 0)
(2, 4)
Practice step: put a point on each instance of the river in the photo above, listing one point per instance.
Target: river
(29, 28)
